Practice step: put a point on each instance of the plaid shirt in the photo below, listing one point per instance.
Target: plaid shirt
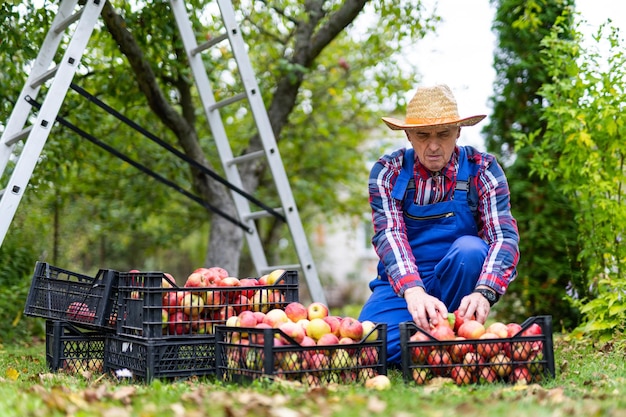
(496, 225)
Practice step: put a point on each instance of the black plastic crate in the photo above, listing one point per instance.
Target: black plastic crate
(72, 349)
(149, 307)
(146, 360)
(246, 354)
(522, 357)
(59, 294)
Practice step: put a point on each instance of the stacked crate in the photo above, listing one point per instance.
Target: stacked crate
(136, 324)
(164, 331)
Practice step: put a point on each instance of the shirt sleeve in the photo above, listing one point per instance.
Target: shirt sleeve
(497, 227)
(390, 241)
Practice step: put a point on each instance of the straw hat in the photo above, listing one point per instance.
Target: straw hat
(432, 106)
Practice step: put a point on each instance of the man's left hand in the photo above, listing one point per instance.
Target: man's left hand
(475, 305)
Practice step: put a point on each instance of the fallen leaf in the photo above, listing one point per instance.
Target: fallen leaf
(376, 405)
(12, 374)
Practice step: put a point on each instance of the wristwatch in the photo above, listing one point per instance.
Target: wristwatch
(489, 294)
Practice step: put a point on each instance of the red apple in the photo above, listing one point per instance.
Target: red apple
(462, 375)
(214, 299)
(275, 318)
(328, 339)
(246, 319)
(443, 332)
(178, 323)
(317, 310)
(420, 352)
(196, 280)
(499, 329)
(170, 301)
(167, 281)
(520, 351)
(229, 282)
(241, 303)
(368, 356)
(293, 330)
(489, 348)
(520, 375)
(351, 327)
(249, 283)
(80, 311)
(533, 330)
(513, 329)
(458, 350)
(440, 360)
(486, 374)
(471, 329)
(334, 322)
(296, 311)
(259, 337)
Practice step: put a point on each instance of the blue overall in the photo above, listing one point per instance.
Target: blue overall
(448, 252)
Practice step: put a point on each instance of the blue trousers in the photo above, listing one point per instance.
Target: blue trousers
(453, 278)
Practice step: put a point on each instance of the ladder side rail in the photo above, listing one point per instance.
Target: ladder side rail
(272, 153)
(46, 117)
(21, 110)
(205, 91)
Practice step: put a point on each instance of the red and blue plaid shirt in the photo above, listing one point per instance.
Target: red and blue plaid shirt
(496, 225)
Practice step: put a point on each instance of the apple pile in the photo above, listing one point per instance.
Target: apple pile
(79, 311)
(308, 344)
(469, 352)
(210, 296)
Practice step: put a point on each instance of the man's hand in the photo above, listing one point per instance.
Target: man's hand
(474, 304)
(424, 308)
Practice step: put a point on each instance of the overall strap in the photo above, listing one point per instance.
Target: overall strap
(406, 175)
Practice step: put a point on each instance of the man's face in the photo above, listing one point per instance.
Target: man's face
(434, 145)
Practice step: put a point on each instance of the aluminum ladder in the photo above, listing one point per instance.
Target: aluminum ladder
(61, 74)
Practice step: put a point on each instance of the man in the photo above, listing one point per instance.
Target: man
(443, 228)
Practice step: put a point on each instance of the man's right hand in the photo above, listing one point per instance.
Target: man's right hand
(425, 309)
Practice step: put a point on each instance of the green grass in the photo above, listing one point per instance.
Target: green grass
(590, 381)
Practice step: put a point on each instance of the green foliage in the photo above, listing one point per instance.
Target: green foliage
(16, 269)
(92, 210)
(549, 264)
(581, 151)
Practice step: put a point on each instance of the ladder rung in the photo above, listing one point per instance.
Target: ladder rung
(65, 23)
(227, 101)
(44, 77)
(19, 136)
(290, 267)
(206, 45)
(246, 157)
(261, 214)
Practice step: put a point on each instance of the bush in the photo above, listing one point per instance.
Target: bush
(16, 269)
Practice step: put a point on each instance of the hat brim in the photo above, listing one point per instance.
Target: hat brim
(397, 124)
